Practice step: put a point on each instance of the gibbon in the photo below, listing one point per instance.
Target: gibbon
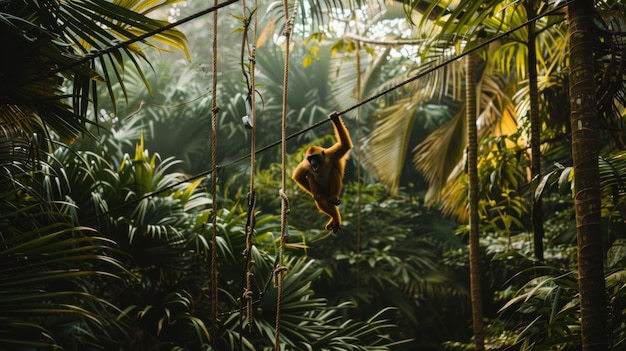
(321, 173)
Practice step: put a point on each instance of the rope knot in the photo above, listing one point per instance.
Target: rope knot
(283, 196)
(277, 272)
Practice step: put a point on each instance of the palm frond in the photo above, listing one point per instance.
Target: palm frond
(386, 147)
(47, 271)
(51, 36)
(439, 154)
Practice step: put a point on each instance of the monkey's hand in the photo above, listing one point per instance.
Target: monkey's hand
(334, 116)
(335, 201)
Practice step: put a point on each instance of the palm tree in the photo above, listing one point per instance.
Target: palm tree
(536, 212)
(471, 91)
(585, 150)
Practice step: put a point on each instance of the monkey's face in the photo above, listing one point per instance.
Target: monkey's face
(314, 157)
(315, 161)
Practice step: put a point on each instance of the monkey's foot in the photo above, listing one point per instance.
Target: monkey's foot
(332, 226)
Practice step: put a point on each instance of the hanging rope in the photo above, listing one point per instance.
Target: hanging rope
(250, 123)
(280, 270)
(252, 200)
(214, 111)
(358, 157)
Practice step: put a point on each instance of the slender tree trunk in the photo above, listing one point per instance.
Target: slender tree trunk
(472, 175)
(536, 212)
(586, 178)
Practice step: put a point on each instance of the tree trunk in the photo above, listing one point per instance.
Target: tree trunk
(536, 212)
(472, 176)
(586, 178)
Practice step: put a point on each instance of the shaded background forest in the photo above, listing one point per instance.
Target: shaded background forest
(106, 207)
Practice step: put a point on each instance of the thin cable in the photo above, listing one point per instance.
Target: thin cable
(214, 111)
(319, 123)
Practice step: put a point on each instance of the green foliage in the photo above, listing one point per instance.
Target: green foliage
(612, 168)
(153, 264)
(502, 171)
(96, 255)
(548, 304)
(55, 36)
(51, 267)
(151, 237)
(544, 313)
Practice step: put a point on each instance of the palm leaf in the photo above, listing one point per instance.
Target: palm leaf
(51, 36)
(47, 270)
(386, 148)
(439, 154)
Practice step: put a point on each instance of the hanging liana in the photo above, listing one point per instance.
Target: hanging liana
(280, 270)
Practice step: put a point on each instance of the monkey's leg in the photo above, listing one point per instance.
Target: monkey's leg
(326, 205)
(336, 183)
(331, 210)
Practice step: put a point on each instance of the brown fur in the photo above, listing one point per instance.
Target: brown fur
(325, 183)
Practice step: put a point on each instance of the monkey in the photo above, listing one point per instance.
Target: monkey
(321, 171)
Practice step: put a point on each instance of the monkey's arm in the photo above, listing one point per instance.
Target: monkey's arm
(300, 177)
(344, 143)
